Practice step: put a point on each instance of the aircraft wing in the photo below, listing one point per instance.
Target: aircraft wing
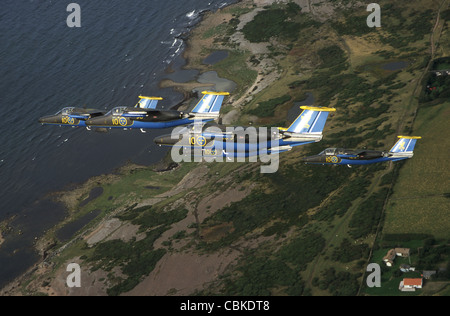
(157, 115)
(280, 149)
(368, 154)
(82, 117)
(139, 112)
(85, 114)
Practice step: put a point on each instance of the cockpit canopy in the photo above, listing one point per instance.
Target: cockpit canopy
(328, 152)
(117, 111)
(334, 151)
(66, 111)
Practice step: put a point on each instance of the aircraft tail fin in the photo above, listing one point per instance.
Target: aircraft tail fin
(405, 144)
(210, 103)
(148, 102)
(311, 121)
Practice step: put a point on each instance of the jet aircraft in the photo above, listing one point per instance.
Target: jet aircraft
(214, 140)
(71, 116)
(403, 149)
(145, 115)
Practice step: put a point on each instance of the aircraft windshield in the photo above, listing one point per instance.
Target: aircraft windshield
(118, 111)
(67, 111)
(328, 151)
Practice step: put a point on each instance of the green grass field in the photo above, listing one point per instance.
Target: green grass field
(418, 204)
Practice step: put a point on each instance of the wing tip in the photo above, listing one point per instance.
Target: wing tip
(316, 108)
(410, 137)
(215, 93)
(151, 98)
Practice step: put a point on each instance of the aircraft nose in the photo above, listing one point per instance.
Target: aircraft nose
(167, 140)
(95, 121)
(47, 119)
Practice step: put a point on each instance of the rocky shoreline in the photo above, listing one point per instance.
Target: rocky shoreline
(45, 246)
(194, 54)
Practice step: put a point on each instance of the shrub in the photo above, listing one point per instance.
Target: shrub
(267, 108)
(270, 23)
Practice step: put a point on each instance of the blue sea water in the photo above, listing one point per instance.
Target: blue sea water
(121, 50)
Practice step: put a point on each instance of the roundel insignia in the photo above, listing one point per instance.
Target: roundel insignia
(201, 141)
(123, 121)
(71, 121)
(334, 159)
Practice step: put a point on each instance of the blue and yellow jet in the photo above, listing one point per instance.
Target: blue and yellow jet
(214, 140)
(71, 116)
(403, 149)
(145, 114)
(77, 117)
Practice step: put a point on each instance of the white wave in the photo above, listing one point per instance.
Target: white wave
(178, 49)
(60, 144)
(191, 14)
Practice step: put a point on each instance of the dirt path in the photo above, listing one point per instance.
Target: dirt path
(433, 41)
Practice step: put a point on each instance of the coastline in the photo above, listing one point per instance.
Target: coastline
(215, 244)
(198, 48)
(45, 245)
(189, 188)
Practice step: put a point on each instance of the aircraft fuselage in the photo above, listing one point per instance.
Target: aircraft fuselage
(154, 119)
(75, 117)
(232, 142)
(342, 156)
